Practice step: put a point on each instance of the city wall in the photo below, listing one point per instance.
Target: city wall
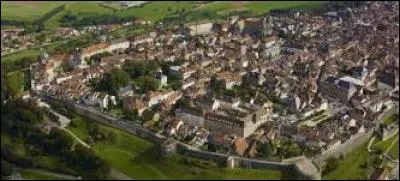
(182, 148)
(343, 148)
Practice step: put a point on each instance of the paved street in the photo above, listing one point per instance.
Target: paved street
(394, 174)
(64, 123)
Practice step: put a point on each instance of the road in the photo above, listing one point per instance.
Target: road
(64, 123)
(391, 145)
(49, 173)
(119, 175)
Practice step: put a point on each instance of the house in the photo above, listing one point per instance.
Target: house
(131, 102)
(252, 150)
(125, 91)
(181, 72)
(218, 140)
(157, 97)
(191, 116)
(254, 79)
(103, 100)
(120, 43)
(173, 125)
(228, 102)
(240, 122)
(114, 59)
(75, 59)
(207, 103)
(66, 32)
(94, 49)
(171, 100)
(91, 99)
(380, 174)
(229, 79)
(253, 26)
(341, 89)
(58, 59)
(271, 134)
(163, 78)
(240, 145)
(97, 98)
(187, 83)
(112, 100)
(201, 29)
(11, 32)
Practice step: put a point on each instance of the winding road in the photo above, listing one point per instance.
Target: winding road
(64, 121)
(49, 173)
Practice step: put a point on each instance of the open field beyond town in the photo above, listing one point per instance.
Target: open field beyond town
(152, 11)
(26, 10)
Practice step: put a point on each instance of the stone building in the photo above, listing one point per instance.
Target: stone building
(241, 122)
(191, 116)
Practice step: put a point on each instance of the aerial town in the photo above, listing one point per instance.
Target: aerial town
(276, 87)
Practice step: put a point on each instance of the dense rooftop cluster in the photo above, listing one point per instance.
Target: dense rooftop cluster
(315, 80)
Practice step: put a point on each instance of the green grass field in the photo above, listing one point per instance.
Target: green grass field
(395, 150)
(157, 10)
(137, 158)
(261, 7)
(152, 11)
(349, 168)
(390, 119)
(384, 145)
(26, 10)
(255, 8)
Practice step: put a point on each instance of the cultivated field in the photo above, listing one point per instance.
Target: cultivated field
(152, 11)
(26, 10)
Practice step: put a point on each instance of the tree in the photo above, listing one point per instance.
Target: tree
(147, 83)
(41, 37)
(217, 85)
(331, 164)
(6, 168)
(40, 27)
(131, 115)
(265, 149)
(113, 80)
(148, 115)
(137, 69)
(15, 84)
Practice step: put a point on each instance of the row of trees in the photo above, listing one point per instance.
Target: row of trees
(76, 43)
(88, 19)
(43, 19)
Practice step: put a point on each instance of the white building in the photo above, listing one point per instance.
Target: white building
(97, 98)
(118, 44)
(188, 83)
(201, 29)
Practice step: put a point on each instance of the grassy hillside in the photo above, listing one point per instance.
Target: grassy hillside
(137, 158)
(349, 167)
